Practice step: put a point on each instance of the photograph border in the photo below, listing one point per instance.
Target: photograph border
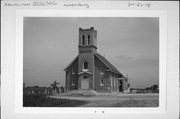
(20, 14)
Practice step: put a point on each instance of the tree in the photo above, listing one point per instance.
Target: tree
(155, 87)
(54, 85)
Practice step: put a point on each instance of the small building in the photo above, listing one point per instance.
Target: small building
(90, 70)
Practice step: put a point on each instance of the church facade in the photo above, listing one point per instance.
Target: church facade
(90, 70)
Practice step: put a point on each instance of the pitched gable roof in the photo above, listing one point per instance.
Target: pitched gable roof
(101, 58)
(71, 63)
(107, 63)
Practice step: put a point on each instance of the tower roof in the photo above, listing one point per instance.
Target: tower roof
(91, 28)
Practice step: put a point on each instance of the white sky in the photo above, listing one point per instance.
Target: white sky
(130, 44)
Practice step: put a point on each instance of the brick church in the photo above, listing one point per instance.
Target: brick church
(90, 70)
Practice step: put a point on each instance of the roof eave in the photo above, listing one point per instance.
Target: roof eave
(66, 69)
(109, 66)
(104, 63)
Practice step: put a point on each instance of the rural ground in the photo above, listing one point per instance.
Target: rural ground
(111, 100)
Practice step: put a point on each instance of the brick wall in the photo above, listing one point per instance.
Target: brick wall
(98, 77)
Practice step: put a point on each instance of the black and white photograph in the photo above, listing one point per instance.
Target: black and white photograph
(91, 62)
(89, 59)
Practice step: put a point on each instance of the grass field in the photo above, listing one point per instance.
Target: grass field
(116, 100)
(45, 101)
(120, 100)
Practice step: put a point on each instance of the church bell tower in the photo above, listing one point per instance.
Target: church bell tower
(87, 49)
(87, 40)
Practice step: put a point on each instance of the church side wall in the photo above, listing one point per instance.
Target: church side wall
(106, 87)
(70, 76)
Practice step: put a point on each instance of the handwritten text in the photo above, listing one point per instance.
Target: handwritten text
(138, 4)
(76, 5)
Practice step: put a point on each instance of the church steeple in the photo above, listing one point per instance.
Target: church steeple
(87, 40)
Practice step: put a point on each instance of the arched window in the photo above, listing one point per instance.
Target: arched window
(85, 66)
(73, 82)
(101, 82)
(88, 39)
(83, 40)
(101, 70)
(73, 71)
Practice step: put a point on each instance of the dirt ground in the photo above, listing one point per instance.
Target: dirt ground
(115, 100)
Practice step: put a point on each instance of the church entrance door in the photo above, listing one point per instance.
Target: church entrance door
(85, 82)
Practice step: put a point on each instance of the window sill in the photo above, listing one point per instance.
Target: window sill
(85, 70)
